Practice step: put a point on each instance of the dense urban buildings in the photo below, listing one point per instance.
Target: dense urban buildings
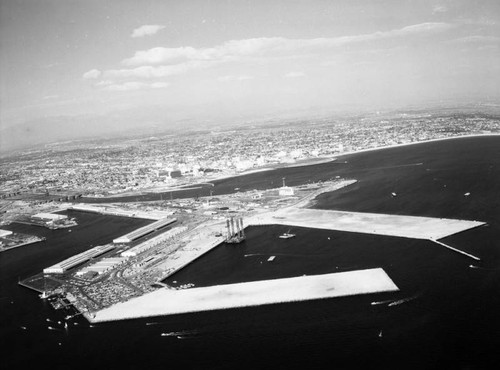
(108, 167)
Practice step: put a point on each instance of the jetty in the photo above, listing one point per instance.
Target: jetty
(415, 227)
(218, 297)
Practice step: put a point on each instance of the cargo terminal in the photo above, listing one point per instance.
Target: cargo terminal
(136, 234)
(63, 266)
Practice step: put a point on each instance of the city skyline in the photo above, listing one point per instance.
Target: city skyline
(95, 67)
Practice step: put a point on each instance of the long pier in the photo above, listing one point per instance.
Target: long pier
(170, 301)
(455, 249)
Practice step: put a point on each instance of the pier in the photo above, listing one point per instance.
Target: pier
(304, 288)
(456, 250)
(414, 227)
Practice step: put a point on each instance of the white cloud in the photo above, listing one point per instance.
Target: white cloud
(92, 74)
(236, 49)
(439, 9)
(104, 83)
(135, 85)
(161, 62)
(47, 97)
(157, 71)
(294, 74)
(147, 30)
(235, 78)
(477, 39)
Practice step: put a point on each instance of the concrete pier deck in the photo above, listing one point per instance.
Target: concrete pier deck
(168, 302)
(415, 227)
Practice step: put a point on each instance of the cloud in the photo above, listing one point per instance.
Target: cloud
(477, 39)
(147, 30)
(235, 78)
(92, 74)
(294, 74)
(47, 97)
(439, 9)
(157, 71)
(237, 49)
(162, 62)
(135, 85)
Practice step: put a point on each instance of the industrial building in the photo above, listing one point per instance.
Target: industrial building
(63, 266)
(132, 252)
(102, 266)
(49, 217)
(136, 234)
(285, 190)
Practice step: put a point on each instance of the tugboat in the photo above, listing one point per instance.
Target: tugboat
(286, 235)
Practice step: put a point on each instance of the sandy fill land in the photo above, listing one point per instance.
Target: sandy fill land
(167, 301)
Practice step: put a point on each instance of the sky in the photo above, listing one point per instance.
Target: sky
(79, 66)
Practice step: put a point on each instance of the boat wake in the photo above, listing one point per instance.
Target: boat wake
(483, 268)
(375, 303)
(180, 334)
(401, 301)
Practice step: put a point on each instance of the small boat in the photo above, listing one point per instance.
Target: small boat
(23, 327)
(394, 195)
(380, 334)
(466, 194)
(271, 259)
(286, 235)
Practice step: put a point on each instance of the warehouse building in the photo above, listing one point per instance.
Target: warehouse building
(136, 234)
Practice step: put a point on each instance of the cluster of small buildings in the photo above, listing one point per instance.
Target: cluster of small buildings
(117, 167)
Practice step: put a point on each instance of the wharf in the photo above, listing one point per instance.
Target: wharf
(22, 244)
(169, 302)
(202, 243)
(414, 227)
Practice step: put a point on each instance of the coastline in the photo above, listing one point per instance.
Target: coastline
(314, 161)
(413, 143)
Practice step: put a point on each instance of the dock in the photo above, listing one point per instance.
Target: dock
(414, 227)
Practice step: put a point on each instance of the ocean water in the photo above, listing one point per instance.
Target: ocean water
(448, 316)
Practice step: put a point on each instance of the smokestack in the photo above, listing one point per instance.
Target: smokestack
(228, 229)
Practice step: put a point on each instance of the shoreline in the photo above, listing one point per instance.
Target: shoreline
(323, 160)
(413, 143)
(40, 239)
